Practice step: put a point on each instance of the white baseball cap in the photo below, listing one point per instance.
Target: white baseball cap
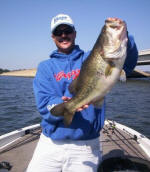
(61, 19)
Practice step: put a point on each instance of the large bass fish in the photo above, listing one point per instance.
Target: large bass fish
(99, 72)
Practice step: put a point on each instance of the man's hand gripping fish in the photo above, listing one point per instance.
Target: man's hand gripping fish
(99, 72)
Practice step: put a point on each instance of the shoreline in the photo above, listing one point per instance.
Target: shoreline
(136, 73)
(22, 73)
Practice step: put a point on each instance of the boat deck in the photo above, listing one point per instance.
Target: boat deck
(115, 143)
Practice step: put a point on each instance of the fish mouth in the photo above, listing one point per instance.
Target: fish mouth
(116, 26)
(114, 22)
(115, 38)
(111, 52)
(115, 53)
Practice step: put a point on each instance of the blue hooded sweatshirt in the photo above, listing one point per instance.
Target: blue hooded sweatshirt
(51, 83)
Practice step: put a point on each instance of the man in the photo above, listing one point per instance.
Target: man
(76, 147)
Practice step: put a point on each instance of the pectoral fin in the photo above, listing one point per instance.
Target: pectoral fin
(108, 70)
(123, 77)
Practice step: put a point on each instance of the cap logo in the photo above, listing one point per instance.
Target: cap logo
(60, 18)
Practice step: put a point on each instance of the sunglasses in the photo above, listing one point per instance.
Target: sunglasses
(66, 31)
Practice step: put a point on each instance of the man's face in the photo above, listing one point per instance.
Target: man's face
(64, 38)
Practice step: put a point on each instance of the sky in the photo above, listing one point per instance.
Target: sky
(25, 36)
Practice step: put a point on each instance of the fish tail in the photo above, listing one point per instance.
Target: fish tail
(61, 110)
(68, 118)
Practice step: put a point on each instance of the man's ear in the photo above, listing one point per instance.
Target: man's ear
(53, 37)
(75, 34)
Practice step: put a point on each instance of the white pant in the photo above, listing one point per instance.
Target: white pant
(65, 156)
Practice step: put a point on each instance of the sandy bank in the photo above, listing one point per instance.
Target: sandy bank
(23, 73)
(32, 72)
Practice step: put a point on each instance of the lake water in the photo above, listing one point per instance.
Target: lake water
(127, 103)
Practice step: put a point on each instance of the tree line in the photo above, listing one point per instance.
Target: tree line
(4, 70)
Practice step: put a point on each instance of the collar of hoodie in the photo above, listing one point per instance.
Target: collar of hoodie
(72, 56)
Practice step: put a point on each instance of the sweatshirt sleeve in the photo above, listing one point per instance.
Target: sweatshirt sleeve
(132, 56)
(45, 94)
